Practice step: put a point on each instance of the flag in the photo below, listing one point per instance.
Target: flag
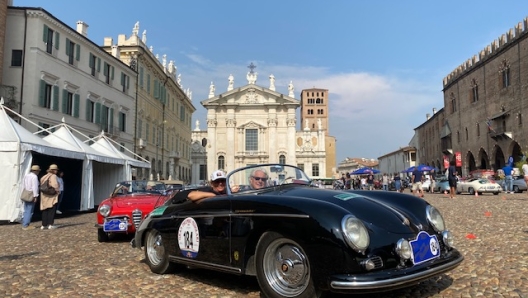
(488, 122)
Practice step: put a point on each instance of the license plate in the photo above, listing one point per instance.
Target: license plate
(490, 187)
(425, 247)
(115, 225)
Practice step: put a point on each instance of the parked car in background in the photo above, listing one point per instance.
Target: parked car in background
(441, 184)
(478, 185)
(127, 205)
(173, 184)
(519, 185)
(426, 185)
(482, 173)
(300, 240)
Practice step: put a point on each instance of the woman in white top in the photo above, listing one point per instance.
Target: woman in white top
(525, 171)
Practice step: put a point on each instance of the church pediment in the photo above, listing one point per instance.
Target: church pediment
(251, 125)
(250, 95)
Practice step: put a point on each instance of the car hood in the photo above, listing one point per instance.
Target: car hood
(135, 200)
(393, 212)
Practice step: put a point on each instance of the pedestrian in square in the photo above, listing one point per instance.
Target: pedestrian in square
(525, 171)
(60, 175)
(48, 203)
(31, 183)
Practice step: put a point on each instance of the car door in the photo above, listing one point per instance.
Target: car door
(200, 231)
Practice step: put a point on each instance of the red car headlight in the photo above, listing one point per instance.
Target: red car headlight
(104, 210)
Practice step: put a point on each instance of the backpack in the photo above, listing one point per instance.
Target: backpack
(46, 189)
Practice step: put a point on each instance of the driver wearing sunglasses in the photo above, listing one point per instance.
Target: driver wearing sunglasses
(258, 179)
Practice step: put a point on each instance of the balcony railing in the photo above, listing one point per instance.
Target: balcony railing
(252, 153)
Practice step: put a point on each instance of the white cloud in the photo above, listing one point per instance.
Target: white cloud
(370, 114)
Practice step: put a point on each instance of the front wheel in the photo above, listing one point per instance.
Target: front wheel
(516, 189)
(102, 236)
(156, 255)
(283, 268)
(471, 191)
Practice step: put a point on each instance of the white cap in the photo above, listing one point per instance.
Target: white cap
(217, 175)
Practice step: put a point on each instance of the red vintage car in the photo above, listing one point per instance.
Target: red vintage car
(126, 207)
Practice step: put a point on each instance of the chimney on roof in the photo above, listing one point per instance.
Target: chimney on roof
(428, 116)
(434, 111)
(82, 28)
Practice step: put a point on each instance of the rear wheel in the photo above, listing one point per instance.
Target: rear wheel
(471, 191)
(496, 193)
(283, 268)
(516, 189)
(102, 236)
(156, 255)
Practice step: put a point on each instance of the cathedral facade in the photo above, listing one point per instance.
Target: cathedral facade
(253, 124)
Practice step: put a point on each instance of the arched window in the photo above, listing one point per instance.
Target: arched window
(221, 162)
(282, 159)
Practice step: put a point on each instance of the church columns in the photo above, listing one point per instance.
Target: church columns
(230, 154)
(291, 121)
(272, 136)
(211, 144)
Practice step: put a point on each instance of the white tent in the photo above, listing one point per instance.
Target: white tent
(99, 169)
(106, 146)
(16, 147)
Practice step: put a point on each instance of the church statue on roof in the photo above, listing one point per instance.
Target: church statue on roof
(252, 75)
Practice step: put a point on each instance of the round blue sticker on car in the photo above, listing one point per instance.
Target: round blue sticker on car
(189, 238)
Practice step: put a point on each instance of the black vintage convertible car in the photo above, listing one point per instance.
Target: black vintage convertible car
(299, 240)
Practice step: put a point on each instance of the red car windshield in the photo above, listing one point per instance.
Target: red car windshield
(139, 186)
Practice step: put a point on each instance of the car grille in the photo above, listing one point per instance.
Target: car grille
(378, 262)
(136, 217)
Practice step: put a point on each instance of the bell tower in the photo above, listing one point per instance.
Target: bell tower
(314, 110)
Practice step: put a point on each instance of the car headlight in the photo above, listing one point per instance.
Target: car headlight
(435, 218)
(403, 249)
(355, 232)
(104, 210)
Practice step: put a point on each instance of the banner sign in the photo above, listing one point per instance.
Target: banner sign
(458, 159)
(446, 161)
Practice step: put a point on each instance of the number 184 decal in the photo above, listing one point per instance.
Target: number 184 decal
(189, 238)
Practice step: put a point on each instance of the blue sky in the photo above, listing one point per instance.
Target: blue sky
(382, 61)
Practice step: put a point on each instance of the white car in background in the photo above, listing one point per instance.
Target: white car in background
(478, 185)
(426, 185)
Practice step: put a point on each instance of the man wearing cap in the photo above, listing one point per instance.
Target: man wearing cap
(217, 187)
(31, 183)
(48, 203)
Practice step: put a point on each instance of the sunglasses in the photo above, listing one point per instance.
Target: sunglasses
(260, 178)
(219, 181)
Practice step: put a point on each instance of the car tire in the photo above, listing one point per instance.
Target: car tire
(275, 255)
(516, 189)
(102, 236)
(496, 193)
(156, 255)
(471, 191)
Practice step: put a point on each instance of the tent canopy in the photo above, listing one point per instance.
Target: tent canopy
(106, 146)
(64, 138)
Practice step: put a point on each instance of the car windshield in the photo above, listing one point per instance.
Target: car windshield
(483, 181)
(266, 176)
(139, 186)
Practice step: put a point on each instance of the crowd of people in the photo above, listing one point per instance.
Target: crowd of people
(48, 202)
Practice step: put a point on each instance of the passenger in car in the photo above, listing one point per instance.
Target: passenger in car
(258, 179)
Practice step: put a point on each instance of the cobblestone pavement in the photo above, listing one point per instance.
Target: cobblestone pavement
(69, 262)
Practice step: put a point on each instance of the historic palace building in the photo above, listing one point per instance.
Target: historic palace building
(57, 74)
(485, 98)
(163, 110)
(254, 124)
